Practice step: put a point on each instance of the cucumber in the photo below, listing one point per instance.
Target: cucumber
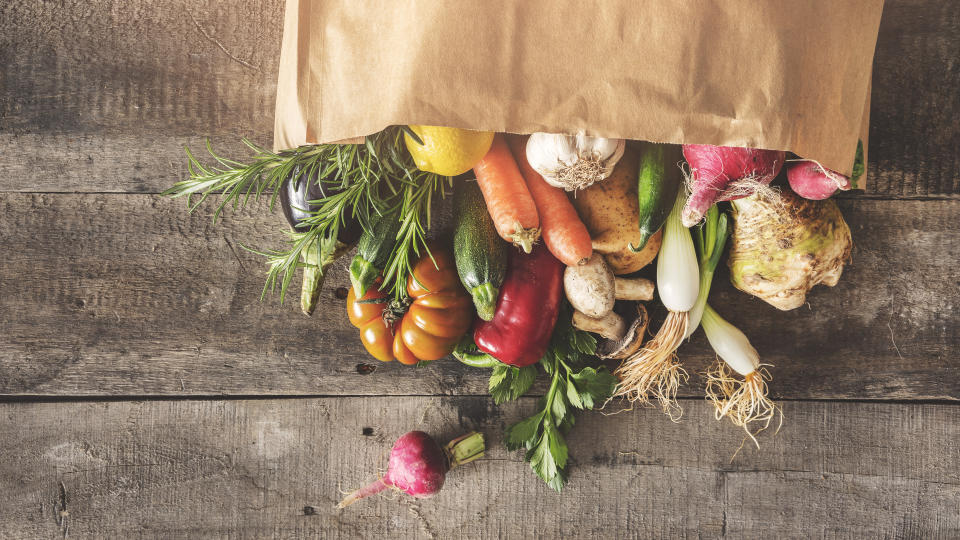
(657, 185)
(373, 251)
(480, 254)
(316, 261)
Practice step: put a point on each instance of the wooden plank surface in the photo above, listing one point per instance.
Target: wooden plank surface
(102, 96)
(243, 469)
(131, 295)
(107, 291)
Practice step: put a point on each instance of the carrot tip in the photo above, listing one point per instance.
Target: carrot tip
(524, 238)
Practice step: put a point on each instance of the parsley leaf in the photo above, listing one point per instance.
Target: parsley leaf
(572, 386)
(593, 387)
(523, 433)
(508, 383)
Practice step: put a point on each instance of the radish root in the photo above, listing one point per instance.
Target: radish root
(654, 372)
(743, 401)
(737, 189)
(841, 181)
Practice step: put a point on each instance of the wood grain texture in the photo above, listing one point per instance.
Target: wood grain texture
(915, 108)
(101, 97)
(131, 295)
(269, 468)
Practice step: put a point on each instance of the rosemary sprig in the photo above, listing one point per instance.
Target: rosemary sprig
(370, 178)
(238, 181)
(417, 197)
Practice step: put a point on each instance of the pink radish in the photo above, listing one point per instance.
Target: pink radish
(726, 173)
(418, 465)
(811, 180)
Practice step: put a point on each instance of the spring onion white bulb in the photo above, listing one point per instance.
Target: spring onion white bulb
(742, 400)
(730, 343)
(678, 272)
(654, 371)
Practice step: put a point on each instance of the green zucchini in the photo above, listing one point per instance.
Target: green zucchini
(373, 251)
(480, 254)
(657, 185)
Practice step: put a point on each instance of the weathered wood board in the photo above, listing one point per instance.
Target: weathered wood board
(107, 291)
(185, 469)
(131, 295)
(102, 96)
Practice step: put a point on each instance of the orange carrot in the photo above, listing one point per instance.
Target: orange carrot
(563, 232)
(508, 199)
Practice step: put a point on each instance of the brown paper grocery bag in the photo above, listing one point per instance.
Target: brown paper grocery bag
(787, 75)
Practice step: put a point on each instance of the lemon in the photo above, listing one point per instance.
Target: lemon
(448, 151)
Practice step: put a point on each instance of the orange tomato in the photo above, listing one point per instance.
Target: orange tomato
(439, 314)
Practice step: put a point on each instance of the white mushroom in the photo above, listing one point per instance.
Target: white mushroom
(592, 288)
(611, 326)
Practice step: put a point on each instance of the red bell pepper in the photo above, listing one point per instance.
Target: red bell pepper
(527, 309)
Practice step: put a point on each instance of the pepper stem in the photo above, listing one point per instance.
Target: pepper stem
(465, 449)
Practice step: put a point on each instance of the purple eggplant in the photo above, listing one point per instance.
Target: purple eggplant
(296, 194)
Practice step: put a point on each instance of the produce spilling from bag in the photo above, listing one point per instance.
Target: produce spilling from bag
(598, 164)
(541, 255)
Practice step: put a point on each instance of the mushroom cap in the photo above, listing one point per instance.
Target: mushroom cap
(631, 342)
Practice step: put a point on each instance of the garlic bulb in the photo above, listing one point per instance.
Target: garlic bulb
(573, 161)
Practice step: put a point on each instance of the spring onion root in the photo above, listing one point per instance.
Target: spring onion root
(654, 371)
(743, 401)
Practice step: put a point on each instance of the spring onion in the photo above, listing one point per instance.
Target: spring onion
(710, 239)
(743, 401)
(654, 372)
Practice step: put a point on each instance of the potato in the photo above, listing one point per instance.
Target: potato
(609, 210)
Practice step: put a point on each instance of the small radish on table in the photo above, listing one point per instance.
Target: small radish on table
(726, 173)
(418, 465)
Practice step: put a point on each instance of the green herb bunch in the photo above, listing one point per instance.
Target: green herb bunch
(373, 178)
(574, 384)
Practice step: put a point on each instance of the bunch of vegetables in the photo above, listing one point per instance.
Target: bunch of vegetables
(549, 231)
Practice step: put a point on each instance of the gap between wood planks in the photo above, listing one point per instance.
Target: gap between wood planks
(20, 398)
